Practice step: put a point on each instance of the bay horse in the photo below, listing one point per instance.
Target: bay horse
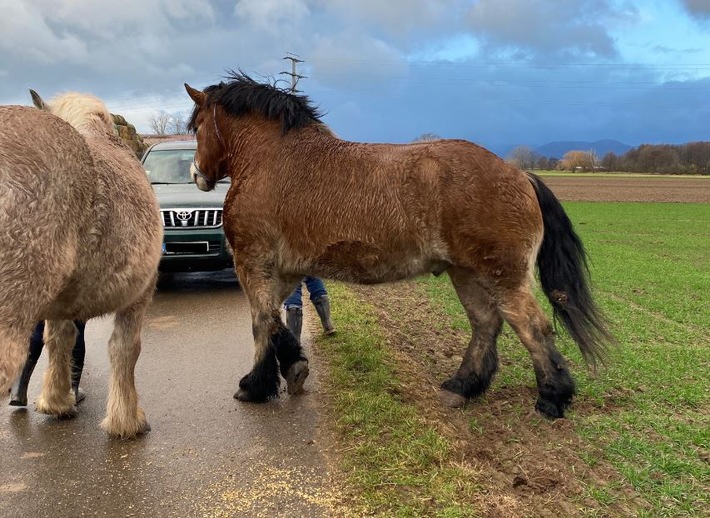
(80, 237)
(304, 202)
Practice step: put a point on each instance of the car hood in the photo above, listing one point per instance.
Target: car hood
(188, 195)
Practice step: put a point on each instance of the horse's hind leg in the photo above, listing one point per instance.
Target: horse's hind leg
(554, 383)
(57, 398)
(124, 418)
(481, 359)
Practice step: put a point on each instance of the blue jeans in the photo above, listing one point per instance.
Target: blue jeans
(316, 288)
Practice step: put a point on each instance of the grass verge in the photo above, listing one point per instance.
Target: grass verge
(401, 466)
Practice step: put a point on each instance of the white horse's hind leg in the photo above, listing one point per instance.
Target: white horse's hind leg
(57, 397)
(13, 353)
(124, 418)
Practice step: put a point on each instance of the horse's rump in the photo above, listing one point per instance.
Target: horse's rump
(46, 191)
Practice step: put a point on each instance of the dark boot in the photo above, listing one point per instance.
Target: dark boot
(322, 305)
(294, 321)
(79, 394)
(18, 392)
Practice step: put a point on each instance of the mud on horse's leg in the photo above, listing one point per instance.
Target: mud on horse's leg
(282, 352)
(554, 382)
(262, 382)
(292, 362)
(274, 345)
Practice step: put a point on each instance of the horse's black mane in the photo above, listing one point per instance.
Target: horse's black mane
(241, 95)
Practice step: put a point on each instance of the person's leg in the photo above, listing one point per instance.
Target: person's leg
(36, 342)
(294, 312)
(320, 300)
(18, 392)
(77, 367)
(295, 299)
(316, 288)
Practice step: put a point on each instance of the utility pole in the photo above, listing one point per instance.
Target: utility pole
(294, 75)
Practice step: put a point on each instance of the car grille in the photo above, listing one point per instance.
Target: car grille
(191, 218)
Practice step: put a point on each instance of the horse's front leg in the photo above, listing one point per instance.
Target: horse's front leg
(57, 398)
(124, 418)
(274, 345)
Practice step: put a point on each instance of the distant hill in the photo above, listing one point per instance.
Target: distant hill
(558, 148)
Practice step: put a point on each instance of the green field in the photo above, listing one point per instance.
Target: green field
(646, 414)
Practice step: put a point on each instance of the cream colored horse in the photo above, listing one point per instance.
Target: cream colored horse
(80, 237)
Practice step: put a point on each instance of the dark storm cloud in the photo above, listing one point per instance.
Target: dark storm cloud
(697, 8)
(545, 29)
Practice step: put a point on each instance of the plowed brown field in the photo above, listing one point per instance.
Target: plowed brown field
(612, 188)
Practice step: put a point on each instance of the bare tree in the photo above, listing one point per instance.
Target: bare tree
(178, 125)
(426, 136)
(159, 123)
(610, 162)
(523, 157)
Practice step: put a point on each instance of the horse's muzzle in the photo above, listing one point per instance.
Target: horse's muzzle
(203, 183)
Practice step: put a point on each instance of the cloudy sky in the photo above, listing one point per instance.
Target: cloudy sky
(497, 72)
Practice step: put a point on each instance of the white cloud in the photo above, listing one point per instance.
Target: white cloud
(271, 15)
(27, 35)
(355, 60)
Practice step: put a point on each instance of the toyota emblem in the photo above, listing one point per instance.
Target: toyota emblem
(183, 215)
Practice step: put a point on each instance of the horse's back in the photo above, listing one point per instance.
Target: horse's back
(381, 212)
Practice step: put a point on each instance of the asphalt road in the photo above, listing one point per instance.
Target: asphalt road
(207, 453)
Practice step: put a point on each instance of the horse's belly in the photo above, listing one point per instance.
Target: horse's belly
(366, 264)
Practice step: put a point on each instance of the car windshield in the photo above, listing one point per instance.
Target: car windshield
(170, 166)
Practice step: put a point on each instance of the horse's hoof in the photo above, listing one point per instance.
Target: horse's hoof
(248, 397)
(58, 410)
(242, 395)
(68, 414)
(452, 399)
(296, 377)
(550, 408)
(125, 431)
(245, 382)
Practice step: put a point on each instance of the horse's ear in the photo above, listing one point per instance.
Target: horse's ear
(37, 100)
(195, 95)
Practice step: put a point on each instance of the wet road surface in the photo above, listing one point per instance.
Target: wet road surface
(207, 453)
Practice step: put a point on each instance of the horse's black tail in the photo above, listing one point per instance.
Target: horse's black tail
(564, 276)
